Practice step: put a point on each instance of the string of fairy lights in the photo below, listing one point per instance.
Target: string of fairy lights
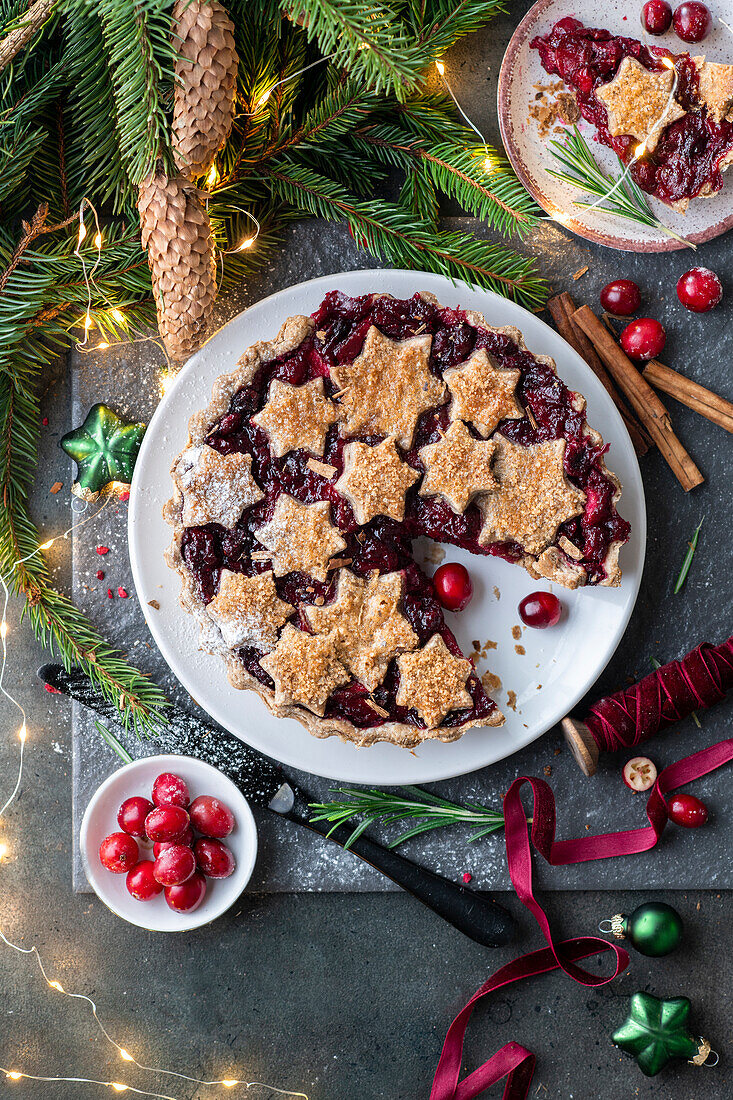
(89, 272)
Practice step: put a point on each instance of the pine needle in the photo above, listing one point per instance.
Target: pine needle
(692, 547)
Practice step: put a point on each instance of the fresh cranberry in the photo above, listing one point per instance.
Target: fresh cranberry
(166, 823)
(118, 852)
(453, 586)
(621, 297)
(656, 16)
(540, 609)
(186, 839)
(174, 865)
(214, 858)
(687, 810)
(132, 813)
(643, 339)
(699, 289)
(141, 882)
(211, 817)
(188, 896)
(692, 21)
(170, 790)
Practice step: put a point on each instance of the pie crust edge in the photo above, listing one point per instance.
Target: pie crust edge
(552, 564)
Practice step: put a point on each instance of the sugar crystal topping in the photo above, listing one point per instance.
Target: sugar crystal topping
(300, 537)
(483, 394)
(433, 681)
(305, 668)
(248, 610)
(296, 417)
(375, 480)
(216, 488)
(458, 466)
(639, 102)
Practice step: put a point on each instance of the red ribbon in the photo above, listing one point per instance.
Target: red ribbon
(513, 1061)
(700, 679)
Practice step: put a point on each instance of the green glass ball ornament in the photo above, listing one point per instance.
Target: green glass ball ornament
(654, 928)
(105, 450)
(656, 1030)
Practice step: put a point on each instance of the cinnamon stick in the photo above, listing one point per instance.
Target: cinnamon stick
(690, 393)
(562, 307)
(642, 397)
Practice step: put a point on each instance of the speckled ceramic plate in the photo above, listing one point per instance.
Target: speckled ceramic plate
(530, 156)
(543, 673)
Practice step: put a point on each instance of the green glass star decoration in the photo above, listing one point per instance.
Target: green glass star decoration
(104, 448)
(655, 1031)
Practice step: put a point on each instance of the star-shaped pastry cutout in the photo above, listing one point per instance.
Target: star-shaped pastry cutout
(216, 488)
(248, 610)
(366, 619)
(716, 87)
(296, 417)
(639, 102)
(388, 386)
(301, 537)
(655, 1031)
(458, 466)
(533, 496)
(305, 667)
(375, 480)
(483, 394)
(433, 682)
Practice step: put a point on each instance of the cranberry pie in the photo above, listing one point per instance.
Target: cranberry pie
(325, 454)
(672, 112)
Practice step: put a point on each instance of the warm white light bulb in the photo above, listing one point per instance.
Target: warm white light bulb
(264, 98)
(46, 545)
(488, 165)
(22, 734)
(118, 316)
(101, 346)
(229, 1084)
(440, 67)
(57, 986)
(82, 233)
(126, 1056)
(14, 1075)
(98, 241)
(246, 243)
(88, 322)
(3, 851)
(118, 1087)
(213, 176)
(3, 629)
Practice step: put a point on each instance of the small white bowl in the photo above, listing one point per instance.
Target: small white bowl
(100, 819)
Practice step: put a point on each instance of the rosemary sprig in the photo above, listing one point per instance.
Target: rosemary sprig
(691, 548)
(429, 810)
(621, 196)
(112, 741)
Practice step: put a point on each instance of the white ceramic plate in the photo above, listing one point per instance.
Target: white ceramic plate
(559, 665)
(530, 156)
(100, 819)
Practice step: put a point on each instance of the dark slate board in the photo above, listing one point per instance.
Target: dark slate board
(663, 625)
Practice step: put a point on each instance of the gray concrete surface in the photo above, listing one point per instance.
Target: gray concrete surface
(344, 996)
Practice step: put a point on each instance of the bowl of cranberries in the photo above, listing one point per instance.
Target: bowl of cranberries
(168, 843)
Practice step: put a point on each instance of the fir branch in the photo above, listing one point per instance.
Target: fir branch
(363, 36)
(429, 811)
(139, 51)
(25, 26)
(397, 236)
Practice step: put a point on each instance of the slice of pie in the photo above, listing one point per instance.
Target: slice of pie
(320, 460)
(673, 112)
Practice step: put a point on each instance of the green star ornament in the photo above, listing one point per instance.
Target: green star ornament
(656, 1031)
(105, 449)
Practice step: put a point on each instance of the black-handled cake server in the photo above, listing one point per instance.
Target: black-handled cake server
(263, 783)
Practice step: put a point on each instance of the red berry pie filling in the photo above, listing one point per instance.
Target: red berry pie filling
(673, 112)
(326, 454)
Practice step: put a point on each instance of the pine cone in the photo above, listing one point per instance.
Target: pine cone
(206, 79)
(177, 234)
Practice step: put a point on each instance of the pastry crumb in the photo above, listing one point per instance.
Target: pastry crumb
(490, 682)
(511, 699)
(553, 109)
(520, 650)
(516, 632)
